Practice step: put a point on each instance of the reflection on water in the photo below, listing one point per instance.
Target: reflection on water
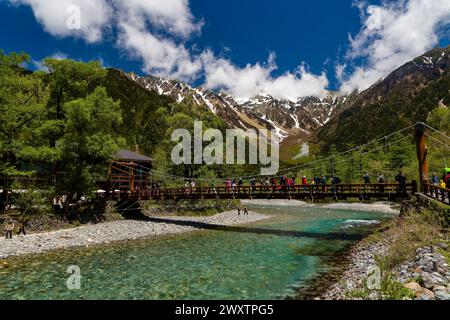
(265, 260)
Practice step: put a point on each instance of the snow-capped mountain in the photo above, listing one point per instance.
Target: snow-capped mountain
(299, 118)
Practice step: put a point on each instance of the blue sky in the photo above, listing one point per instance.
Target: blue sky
(237, 34)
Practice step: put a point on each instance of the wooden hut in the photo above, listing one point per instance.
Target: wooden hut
(129, 172)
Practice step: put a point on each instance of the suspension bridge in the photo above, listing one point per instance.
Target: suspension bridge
(130, 181)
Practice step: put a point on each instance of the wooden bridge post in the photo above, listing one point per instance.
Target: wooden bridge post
(422, 152)
(108, 184)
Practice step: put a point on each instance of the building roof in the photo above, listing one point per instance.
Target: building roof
(127, 155)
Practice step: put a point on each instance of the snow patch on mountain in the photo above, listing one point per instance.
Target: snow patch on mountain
(262, 111)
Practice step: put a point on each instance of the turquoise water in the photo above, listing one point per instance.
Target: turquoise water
(265, 260)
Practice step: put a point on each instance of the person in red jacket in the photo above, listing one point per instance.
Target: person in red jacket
(304, 182)
(447, 180)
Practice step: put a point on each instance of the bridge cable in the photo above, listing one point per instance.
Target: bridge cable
(163, 174)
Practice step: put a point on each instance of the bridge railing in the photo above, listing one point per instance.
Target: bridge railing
(437, 193)
(268, 191)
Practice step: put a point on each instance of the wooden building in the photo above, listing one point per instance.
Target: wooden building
(129, 172)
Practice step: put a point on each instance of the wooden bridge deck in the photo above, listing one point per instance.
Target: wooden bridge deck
(299, 192)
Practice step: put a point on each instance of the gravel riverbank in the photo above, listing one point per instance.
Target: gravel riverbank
(104, 233)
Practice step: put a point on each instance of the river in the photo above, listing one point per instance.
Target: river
(270, 259)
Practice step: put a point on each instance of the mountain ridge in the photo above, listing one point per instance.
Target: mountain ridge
(405, 96)
(300, 117)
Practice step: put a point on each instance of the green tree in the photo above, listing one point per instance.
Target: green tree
(22, 108)
(30, 200)
(90, 140)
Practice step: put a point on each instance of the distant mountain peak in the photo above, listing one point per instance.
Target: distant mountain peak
(261, 111)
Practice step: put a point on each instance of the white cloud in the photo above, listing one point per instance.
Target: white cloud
(161, 57)
(156, 32)
(39, 64)
(170, 16)
(255, 79)
(54, 14)
(392, 34)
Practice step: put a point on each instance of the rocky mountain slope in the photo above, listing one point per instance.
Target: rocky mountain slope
(289, 118)
(404, 97)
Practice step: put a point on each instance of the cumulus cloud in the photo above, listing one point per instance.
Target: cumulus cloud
(393, 33)
(161, 57)
(255, 79)
(170, 16)
(54, 15)
(156, 31)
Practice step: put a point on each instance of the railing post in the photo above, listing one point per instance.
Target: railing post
(415, 187)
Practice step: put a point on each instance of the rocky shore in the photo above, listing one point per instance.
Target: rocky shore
(360, 259)
(104, 233)
(427, 275)
(430, 272)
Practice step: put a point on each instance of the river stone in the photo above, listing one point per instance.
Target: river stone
(439, 279)
(425, 294)
(439, 288)
(413, 286)
(374, 296)
(443, 246)
(442, 295)
(430, 280)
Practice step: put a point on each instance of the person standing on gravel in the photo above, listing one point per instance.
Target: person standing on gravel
(9, 228)
(23, 224)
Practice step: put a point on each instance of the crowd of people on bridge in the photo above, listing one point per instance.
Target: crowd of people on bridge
(443, 183)
(285, 183)
(282, 184)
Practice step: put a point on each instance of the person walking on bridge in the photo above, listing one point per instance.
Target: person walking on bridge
(323, 181)
(193, 185)
(401, 179)
(304, 183)
(366, 179)
(228, 185)
(253, 185)
(435, 179)
(213, 186)
(187, 187)
(267, 183)
(447, 180)
(381, 181)
(335, 181)
(240, 184)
